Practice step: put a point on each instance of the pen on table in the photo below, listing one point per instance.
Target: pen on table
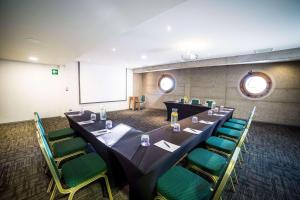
(167, 144)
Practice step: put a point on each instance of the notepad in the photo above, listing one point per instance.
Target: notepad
(74, 115)
(224, 111)
(86, 122)
(193, 131)
(100, 132)
(168, 146)
(228, 109)
(205, 122)
(219, 115)
(114, 135)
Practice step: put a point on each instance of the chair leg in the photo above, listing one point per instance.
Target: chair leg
(235, 176)
(71, 195)
(53, 193)
(50, 185)
(239, 160)
(245, 149)
(108, 188)
(232, 185)
(246, 139)
(241, 157)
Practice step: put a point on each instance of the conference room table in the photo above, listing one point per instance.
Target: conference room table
(184, 109)
(144, 165)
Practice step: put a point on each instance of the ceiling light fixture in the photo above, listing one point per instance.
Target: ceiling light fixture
(33, 58)
(144, 57)
(114, 49)
(169, 28)
(189, 56)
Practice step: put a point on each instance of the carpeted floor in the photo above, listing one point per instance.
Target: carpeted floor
(271, 169)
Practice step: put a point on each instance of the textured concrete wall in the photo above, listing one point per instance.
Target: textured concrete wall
(282, 106)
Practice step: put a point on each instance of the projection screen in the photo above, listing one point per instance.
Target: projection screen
(99, 84)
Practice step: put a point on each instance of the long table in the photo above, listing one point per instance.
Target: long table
(184, 109)
(144, 165)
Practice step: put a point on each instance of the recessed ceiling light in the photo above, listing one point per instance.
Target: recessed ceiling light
(114, 49)
(33, 58)
(143, 57)
(169, 28)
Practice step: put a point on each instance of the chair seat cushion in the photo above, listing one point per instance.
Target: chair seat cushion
(221, 144)
(82, 169)
(208, 161)
(179, 183)
(233, 126)
(60, 134)
(70, 146)
(238, 121)
(229, 132)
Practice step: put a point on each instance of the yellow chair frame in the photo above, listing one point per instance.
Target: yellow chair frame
(56, 177)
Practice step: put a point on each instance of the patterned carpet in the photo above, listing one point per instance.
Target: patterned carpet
(271, 169)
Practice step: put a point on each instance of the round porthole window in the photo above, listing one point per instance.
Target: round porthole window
(255, 85)
(166, 83)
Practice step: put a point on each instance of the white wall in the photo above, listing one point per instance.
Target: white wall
(25, 88)
(28, 87)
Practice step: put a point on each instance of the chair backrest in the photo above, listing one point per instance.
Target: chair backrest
(195, 101)
(48, 156)
(143, 98)
(218, 192)
(181, 100)
(251, 117)
(37, 118)
(210, 103)
(244, 135)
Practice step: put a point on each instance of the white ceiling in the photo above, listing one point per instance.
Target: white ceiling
(89, 31)
(59, 31)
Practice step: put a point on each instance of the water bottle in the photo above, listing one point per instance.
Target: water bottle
(174, 116)
(103, 115)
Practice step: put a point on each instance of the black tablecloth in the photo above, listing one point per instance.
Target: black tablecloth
(184, 110)
(144, 165)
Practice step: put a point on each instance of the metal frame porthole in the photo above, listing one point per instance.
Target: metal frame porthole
(255, 85)
(166, 83)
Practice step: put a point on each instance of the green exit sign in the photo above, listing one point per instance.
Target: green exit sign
(54, 71)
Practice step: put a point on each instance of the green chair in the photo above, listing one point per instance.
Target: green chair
(58, 135)
(75, 174)
(181, 100)
(179, 183)
(220, 145)
(64, 149)
(195, 101)
(210, 103)
(241, 121)
(238, 121)
(234, 126)
(207, 162)
(229, 133)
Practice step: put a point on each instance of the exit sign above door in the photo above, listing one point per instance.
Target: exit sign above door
(54, 71)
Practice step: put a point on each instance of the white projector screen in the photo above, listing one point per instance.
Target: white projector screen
(101, 84)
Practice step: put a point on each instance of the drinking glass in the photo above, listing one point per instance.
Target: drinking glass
(81, 111)
(103, 115)
(210, 112)
(93, 117)
(174, 116)
(194, 119)
(216, 109)
(221, 108)
(108, 124)
(145, 140)
(176, 127)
